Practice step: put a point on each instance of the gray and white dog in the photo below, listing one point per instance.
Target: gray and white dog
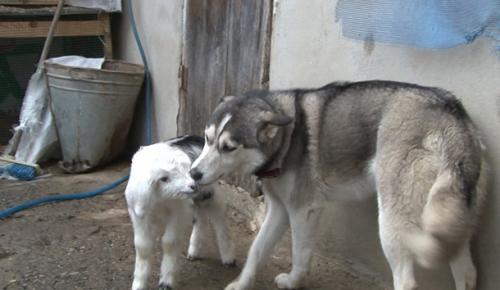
(414, 146)
(162, 200)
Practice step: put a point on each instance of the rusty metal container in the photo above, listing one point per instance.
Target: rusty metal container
(93, 110)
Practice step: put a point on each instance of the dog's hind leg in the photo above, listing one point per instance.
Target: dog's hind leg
(399, 257)
(463, 269)
(303, 223)
(275, 224)
(403, 272)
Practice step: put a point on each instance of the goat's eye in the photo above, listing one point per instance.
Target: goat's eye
(164, 179)
(227, 148)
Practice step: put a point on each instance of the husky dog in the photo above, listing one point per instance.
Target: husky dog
(414, 146)
(162, 199)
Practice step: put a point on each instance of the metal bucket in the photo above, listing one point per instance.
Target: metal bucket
(93, 110)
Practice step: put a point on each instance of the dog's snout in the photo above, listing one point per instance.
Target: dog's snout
(195, 174)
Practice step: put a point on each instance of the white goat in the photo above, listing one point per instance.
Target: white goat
(163, 200)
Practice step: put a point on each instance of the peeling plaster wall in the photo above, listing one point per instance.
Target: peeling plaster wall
(160, 25)
(309, 50)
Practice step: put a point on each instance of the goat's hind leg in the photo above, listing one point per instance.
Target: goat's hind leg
(171, 245)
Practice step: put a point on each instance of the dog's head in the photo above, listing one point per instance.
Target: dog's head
(241, 136)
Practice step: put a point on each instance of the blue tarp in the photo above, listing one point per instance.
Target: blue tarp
(421, 23)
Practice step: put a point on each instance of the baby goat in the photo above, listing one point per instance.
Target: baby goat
(163, 200)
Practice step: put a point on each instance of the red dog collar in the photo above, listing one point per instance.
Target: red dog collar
(269, 173)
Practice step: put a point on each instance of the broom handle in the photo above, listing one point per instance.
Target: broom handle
(50, 34)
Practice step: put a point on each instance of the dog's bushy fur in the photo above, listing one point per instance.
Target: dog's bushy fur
(163, 200)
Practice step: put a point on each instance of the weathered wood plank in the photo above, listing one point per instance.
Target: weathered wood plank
(16, 11)
(249, 37)
(19, 29)
(205, 58)
(28, 2)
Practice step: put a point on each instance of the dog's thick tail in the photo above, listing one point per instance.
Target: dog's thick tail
(451, 210)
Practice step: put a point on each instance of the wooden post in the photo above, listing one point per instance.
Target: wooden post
(108, 43)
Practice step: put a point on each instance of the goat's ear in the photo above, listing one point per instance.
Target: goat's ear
(224, 99)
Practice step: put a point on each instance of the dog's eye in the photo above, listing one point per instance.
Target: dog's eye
(227, 148)
(164, 179)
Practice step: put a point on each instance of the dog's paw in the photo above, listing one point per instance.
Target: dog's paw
(236, 285)
(286, 281)
(165, 286)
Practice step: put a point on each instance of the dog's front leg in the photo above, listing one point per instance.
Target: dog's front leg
(303, 223)
(272, 229)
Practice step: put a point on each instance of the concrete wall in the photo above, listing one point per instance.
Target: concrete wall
(160, 25)
(308, 50)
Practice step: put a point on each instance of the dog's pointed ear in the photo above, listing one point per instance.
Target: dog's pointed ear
(224, 99)
(270, 124)
(276, 119)
(280, 120)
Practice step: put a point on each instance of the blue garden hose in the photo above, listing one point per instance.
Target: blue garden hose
(81, 195)
(60, 197)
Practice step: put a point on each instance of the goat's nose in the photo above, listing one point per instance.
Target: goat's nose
(195, 174)
(194, 187)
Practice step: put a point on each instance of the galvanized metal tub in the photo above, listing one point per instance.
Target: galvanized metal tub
(93, 110)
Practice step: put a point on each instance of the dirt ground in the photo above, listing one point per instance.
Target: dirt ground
(87, 244)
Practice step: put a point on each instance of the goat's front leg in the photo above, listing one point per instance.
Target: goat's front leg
(144, 237)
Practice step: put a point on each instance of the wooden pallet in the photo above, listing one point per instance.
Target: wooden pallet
(29, 2)
(22, 21)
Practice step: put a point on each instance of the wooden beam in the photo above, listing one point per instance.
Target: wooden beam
(28, 29)
(28, 2)
(24, 11)
(108, 43)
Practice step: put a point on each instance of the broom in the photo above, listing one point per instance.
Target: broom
(18, 169)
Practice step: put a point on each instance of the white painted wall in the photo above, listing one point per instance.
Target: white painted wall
(160, 25)
(308, 50)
